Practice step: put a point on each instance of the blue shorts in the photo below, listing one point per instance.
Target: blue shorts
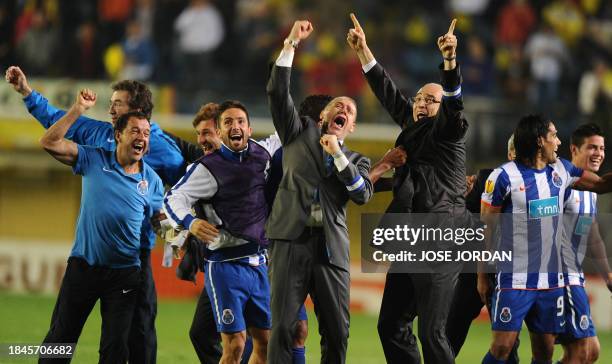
(302, 316)
(240, 295)
(542, 310)
(577, 315)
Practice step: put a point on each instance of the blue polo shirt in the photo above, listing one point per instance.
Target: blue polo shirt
(164, 155)
(115, 207)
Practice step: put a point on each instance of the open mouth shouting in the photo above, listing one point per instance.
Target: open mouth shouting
(139, 147)
(337, 124)
(236, 138)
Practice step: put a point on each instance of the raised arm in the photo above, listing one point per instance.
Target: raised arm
(53, 140)
(451, 124)
(284, 114)
(84, 131)
(389, 95)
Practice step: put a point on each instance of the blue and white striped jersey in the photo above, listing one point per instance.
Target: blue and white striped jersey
(580, 210)
(531, 202)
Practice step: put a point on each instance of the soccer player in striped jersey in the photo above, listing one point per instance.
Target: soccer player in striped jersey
(530, 191)
(580, 343)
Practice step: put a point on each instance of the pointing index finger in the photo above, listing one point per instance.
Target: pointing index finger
(355, 21)
(451, 28)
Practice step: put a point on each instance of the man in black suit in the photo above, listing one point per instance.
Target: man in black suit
(309, 253)
(432, 181)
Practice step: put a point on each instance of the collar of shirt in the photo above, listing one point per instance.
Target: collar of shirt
(117, 167)
(226, 152)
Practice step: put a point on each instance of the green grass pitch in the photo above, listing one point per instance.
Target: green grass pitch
(25, 319)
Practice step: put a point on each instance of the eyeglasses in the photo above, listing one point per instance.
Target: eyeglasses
(428, 99)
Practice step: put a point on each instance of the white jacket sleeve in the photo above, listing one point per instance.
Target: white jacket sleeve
(197, 184)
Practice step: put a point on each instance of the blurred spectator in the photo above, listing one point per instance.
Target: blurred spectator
(113, 14)
(144, 13)
(477, 68)
(200, 31)
(84, 57)
(547, 55)
(36, 49)
(566, 19)
(514, 74)
(139, 54)
(7, 25)
(595, 92)
(166, 12)
(515, 22)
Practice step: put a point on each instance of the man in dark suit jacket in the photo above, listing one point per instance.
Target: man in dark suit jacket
(309, 253)
(432, 181)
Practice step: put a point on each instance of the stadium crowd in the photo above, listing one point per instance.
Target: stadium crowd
(551, 53)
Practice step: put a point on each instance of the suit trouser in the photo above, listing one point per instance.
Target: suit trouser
(203, 333)
(465, 308)
(298, 268)
(81, 287)
(407, 295)
(143, 338)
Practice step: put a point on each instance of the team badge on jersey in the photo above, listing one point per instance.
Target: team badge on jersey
(556, 179)
(228, 316)
(142, 187)
(584, 322)
(489, 186)
(505, 316)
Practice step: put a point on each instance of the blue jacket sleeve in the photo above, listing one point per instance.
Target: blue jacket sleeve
(84, 131)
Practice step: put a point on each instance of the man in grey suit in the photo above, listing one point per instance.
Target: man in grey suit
(309, 253)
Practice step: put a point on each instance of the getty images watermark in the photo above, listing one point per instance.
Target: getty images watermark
(418, 243)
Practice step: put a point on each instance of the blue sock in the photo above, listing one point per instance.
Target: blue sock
(490, 359)
(248, 349)
(299, 355)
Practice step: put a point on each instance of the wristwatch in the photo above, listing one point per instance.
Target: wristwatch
(294, 43)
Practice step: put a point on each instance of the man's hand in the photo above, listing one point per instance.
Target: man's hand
(484, 287)
(85, 100)
(203, 230)
(357, 41)
(15, 76)
(330, 144)
(301, 30)
(395, 157)
(469, 182)
(448, 42)
(356, 37)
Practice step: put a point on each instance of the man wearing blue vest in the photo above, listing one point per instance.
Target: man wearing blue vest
(105, 259)
(163, 156)
(233, 180)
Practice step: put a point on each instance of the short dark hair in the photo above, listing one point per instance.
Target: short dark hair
(529, 129)
(231, 104)
(140, 97)
(312, 106)
(206, 112)
(123, 119)
(584, 131)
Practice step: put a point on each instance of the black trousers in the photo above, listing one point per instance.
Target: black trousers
(203, 333)
(81, 287)
(465, 308)
(142, 337)
(407, 295)
(298, 268)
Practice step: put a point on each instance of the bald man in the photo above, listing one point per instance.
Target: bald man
(432, 181)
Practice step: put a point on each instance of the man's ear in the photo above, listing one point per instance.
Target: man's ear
(117, 136)
(573, 149)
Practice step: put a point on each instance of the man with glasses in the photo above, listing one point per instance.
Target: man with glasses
(432, 181)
